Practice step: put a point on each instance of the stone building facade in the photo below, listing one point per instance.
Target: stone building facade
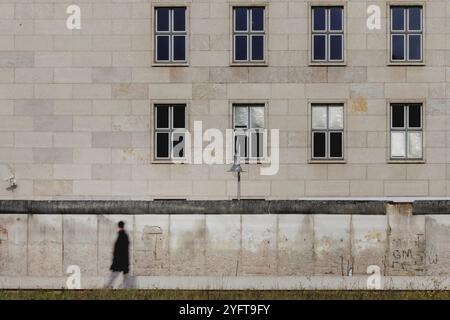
(89, 114)
(77, 106)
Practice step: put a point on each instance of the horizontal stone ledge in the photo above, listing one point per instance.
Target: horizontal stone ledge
(422, 207)
(106, 207)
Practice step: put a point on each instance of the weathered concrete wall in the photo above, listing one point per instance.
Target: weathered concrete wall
(263, 251)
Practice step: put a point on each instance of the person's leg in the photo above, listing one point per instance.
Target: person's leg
(126, 281)
(112, 277)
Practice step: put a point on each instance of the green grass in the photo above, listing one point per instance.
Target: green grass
(219, 295)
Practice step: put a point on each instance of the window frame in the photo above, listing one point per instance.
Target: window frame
(406, 129)
(172, 34)
(327, 33)
(406, 33)
(249, 33)
(249, 130)
(170, 130)
(327, 131)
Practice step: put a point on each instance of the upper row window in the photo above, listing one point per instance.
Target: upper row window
(248, 34)
(406, 34)
(170, 34)
(327, 34)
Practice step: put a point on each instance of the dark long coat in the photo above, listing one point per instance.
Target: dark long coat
(121, 257)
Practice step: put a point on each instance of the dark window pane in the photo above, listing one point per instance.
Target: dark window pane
(398, 18)
(240, 19)
(335, 47)
(162, 48)
(398, 116)
(414, 116)
(162, 117)
(336, 18)
(319, 145)
(162, 145)
(414, 22)
(257, 48)
(319, 18)
(240, 48)
(335, 145)
(398, 47)
(179, 117)
(319, 47)
(240, 144)
(179, 19)
(162, 19)
(414, 47)
(178, 142)
(257, 19)
(256, 144)
(179, 48)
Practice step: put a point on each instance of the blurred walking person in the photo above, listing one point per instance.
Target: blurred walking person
(120, 263)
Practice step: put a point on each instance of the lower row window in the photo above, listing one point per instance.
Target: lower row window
(249, 134)
(406, 131)
(170, 131)
(327, 131)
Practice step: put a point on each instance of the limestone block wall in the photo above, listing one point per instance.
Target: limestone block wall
(230, 251)
(76, 105)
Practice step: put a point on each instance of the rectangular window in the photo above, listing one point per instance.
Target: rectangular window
(406, 131)
(327, 37)
(248, 34)
(170, 35)
(249, 135)
(327, 136)
(170, 129)
(406, 34)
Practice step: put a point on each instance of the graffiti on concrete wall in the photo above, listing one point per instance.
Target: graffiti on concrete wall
(150, 255)
(412, 254)
(408, 254)
(346, 266)
(431, 255)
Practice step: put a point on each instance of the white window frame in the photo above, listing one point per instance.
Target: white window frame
(171, 33)
(405, 129)
(328, 132)
(406, 33)
(249, 33)
(169, 130)
(328, 34)
(248, 131)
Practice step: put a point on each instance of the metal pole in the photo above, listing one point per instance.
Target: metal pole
(239, 187)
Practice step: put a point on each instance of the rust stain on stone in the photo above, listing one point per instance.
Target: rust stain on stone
(123, 88)
(133, 154)
(3, 233)
(374, 236)
(359, 105)
(324, 245)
